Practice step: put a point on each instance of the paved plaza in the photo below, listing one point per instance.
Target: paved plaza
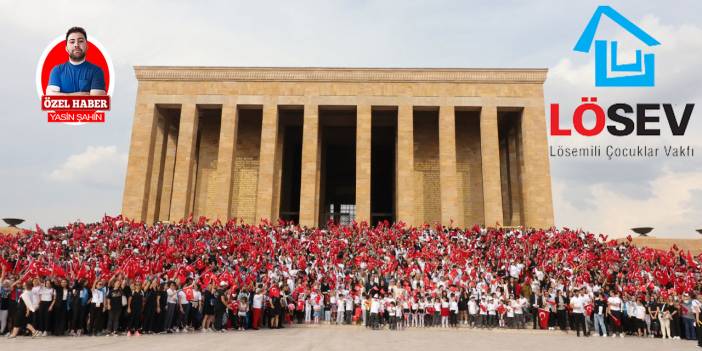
(330, 338)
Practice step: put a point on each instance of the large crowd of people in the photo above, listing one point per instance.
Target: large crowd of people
(120, 277)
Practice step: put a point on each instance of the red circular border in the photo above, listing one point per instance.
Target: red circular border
(58, 55)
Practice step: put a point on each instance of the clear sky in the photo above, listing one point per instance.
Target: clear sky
(52, 174)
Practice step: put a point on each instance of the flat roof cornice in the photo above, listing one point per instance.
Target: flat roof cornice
(339, 74)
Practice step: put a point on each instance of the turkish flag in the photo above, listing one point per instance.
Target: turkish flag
(543, 318)
(58, 271)
(357, 314)
(588, 309)
(189, 295)
(617, 322)
(274, 291)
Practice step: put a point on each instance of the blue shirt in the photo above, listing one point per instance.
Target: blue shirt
(72, 78)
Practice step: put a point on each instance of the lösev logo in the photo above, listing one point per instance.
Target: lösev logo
(620, 119)
(643, 70)
(644, 120)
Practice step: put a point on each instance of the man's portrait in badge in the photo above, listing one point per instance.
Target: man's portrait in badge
(76, 76)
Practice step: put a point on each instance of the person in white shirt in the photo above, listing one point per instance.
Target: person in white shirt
(36, 299)
(472, 311)
(183, 309)
(508, 321)
(492, 312)
(437, 312)
(587, 301)
(317, 308)
(414, 307)
(614, 308)
(404, 304)
(333, 306)
(308, 307)
(422, 311)
(639, 315)
(97, 307)
(374, 310)
(36, 287)
(392, 318)
(340, 308)
(24, 311)
(453, 311)
(577, 303)
(483, 312)
(171, 305)
(524, 302)
(196, 302)
(47, 295)
(257, 309)
(515, 269)
(348, 314)
(398, 317)
(242, 311)
(517, 309)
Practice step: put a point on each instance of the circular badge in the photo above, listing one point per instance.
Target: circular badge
(55, 54)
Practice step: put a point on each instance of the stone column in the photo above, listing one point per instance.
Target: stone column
(447, 167)
(278, 171)
(181, 204)
(139, 164)
(168, 170)
(404, 203)
(266, 167)
(536, 177)
(225, 161)
(363, 163)
(309, 184)
(152, 210)
(490, 153)
(517, 206)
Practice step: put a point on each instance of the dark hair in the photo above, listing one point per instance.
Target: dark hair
(77, 30)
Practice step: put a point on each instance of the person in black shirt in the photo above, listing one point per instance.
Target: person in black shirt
(80, 295)
(162, 302)
(220, 306)
(114, 307)
(60, 315)
(462, 307)
(135, 303)
(599, 312)
(675, 330)
(562, 302)
(208, 301)
(5, 291)
(150, 306)
(666, 309)
(653, 311)
(127, 293)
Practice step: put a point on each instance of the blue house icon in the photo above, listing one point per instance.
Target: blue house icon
(645, 76)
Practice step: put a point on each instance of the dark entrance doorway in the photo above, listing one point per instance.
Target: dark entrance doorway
(338, 166)
(383, 135)
(290, 130)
